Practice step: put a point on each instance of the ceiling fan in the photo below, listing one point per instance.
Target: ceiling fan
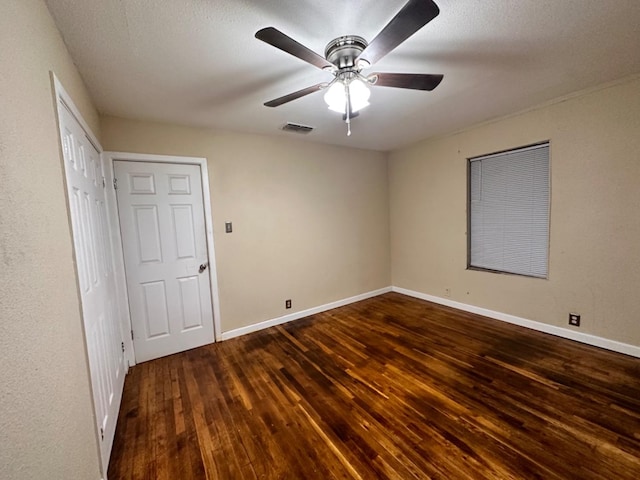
(347, 56)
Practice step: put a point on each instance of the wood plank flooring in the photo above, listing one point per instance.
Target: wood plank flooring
(391, 387)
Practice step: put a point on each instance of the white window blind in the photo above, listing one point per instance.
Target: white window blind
(509, 211)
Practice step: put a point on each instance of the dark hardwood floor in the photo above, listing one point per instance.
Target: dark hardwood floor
(391, 387)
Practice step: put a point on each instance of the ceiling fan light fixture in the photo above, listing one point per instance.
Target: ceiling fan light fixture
(336, 96)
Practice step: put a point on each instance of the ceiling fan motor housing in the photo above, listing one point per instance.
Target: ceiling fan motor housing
(343, 51)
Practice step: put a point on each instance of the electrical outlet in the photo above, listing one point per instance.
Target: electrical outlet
(447, 292)
(287, 303)
(574, 319)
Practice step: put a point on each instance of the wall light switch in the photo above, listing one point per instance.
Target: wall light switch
(228, 227)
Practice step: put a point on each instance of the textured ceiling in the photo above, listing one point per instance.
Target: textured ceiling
(196, 62)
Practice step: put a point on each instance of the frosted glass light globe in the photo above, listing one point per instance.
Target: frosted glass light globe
(359, 95)
(336, 96)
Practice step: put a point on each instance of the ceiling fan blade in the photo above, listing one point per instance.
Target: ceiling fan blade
(295, 95)
(287, 44)
(411, 18)
(413, 81)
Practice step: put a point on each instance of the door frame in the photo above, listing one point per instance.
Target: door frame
(110, 157)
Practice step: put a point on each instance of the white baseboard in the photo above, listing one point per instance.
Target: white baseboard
(304, 313)
(593, 340)
(613, 345)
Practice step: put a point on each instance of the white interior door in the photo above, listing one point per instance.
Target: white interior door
(95, 266)
(165, 254)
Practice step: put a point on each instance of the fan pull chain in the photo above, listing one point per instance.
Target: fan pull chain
(348, 108)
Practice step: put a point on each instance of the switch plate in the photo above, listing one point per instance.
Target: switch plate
(574, 319)
(228, 227)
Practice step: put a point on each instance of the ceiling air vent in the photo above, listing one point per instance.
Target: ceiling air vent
(296, 128)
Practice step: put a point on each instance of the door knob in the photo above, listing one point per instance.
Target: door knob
(202, 268)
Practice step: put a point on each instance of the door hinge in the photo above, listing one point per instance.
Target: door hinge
(122, 343)
(101, 433)
(104, 182)
(131, 334)
(115, 183)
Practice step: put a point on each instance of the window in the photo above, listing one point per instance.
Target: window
(509, 211)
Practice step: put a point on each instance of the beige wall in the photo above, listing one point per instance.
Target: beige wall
(310, 222)
(46, 418)
(594, 266)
